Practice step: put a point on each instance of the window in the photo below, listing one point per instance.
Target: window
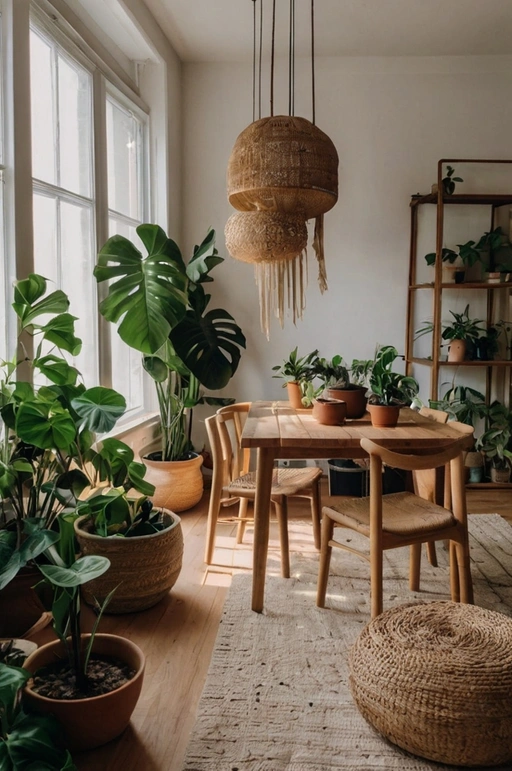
(62, 167)
(126, 132)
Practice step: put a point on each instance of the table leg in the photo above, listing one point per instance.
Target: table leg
(264, 468)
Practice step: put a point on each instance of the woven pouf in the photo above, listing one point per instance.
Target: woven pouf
(436, 679)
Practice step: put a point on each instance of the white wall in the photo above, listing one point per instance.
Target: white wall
(391, 121)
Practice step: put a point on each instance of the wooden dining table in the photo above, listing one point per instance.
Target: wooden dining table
(278, 432)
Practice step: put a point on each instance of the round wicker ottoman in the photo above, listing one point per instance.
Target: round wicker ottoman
(436, 679)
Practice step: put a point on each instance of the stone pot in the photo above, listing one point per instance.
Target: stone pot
(142, 569)
(178, 483)
(354, 397)
(330, 412)
(384, 415)
(457, 350)
(89, 723)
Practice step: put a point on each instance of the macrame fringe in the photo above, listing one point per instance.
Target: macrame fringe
(281, 285)
(318, 246)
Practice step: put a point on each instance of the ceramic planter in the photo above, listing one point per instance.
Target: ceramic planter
(453, 274)
(355, 399)
(21, 610)
(295, 396)
(500, 475)
(178, 483)
(89, 723)
(329, 412)
(143, 568)
(384, 415)
(457, 350)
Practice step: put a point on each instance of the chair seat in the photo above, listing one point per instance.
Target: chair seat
(402, 514)
(285, 481)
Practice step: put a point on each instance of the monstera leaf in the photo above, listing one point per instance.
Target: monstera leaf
(147, 294)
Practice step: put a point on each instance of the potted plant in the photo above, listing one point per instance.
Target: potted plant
(48, 457)
(449, 181)
(496, 255)
(298, 372)
(26, 741)
(455, 263)
(496, 442)
(89, 682)
(463, 334)
(335, 376)
(144, 546)
(160, 306)
(388, 390)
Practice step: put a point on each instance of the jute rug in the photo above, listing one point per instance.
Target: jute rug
(277, 697)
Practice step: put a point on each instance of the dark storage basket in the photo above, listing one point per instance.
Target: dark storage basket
(348, 478)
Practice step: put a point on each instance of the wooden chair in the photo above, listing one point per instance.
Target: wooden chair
(430, 483)
(232, 482)
(402, 519)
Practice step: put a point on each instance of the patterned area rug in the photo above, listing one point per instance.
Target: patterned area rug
(277, 697)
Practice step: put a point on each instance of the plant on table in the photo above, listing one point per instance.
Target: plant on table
(388, 388)
(160, 306)
(301, 370)
(335, 375)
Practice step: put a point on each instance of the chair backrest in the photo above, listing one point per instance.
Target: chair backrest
(409, 462)
(438, 415)
(225, 431)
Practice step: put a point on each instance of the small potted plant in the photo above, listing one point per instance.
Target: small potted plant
(89, 682)
(496, 442)
(335, 376)
(463, 334)
(449, 181)
(388, 390)
(455, 263)
(298, 372)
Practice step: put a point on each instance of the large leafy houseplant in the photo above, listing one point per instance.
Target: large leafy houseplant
(388, 388)
(161, 308)
(48, 453)
(496, 441)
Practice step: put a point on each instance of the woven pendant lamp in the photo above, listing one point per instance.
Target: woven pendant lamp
(286, 166)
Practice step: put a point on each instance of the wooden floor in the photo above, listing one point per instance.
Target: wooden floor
(178, 635)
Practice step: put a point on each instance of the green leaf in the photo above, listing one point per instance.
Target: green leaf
(209, 346)
(56, 369)
(205, 258)
(29, 289)
(100, 408)
(83, 570)
(46, 426)
(149, 297)
(61, 331)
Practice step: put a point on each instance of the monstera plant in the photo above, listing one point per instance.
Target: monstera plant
(160, 305)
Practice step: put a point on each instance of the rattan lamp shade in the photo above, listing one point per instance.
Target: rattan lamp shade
(265, 236)
(283, 163)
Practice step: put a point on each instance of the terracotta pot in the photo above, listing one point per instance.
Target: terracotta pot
(457, 350)
(89, 723)
(295, 396)
(355, 399)
(21, 611)
(178, 483)
(384, 415)
(500, 475)
(329, 412)
(143, 568)
(453, 274)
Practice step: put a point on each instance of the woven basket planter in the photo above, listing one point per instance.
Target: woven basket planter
(143, 568)
(436, 679)
(283, 163)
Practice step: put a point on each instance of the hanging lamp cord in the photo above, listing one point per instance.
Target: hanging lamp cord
(253, 60)
(291, 61)
(272, 57)
(313, 60)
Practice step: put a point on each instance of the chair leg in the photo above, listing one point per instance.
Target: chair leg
(431, 553)
(325, 560)
(414, 567)
(454, 572)
(282, 521)
(242, 514)
(316, 512)
(464, 573)
(376, 563)
(213, 515)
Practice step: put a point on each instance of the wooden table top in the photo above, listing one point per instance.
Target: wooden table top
(277, 425)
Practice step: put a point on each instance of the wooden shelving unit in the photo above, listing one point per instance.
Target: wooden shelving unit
(492, 291)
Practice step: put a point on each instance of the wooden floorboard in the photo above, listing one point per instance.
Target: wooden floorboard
(178, 636)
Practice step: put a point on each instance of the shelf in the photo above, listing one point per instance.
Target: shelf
(488, 485)
(466, 285)
(471, 363)
(459, 198)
